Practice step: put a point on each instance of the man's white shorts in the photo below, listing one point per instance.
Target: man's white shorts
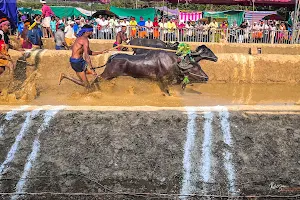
(46, 22)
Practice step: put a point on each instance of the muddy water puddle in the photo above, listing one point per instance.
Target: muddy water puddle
(144, 93)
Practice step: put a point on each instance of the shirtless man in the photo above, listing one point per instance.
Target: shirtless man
(121, 37)
(80, 59)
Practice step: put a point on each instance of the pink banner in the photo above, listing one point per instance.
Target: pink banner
(190, 16)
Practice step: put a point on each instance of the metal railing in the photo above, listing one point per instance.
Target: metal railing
(203, 35)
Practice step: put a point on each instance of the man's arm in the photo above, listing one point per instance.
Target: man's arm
(86, 51)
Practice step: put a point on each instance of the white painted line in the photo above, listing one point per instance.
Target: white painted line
(11, 154)
(35, 150)
(9, 116)
(207, 149)
(229, 167)
(1, 130)
(188, 148)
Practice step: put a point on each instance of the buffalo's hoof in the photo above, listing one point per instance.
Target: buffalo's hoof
(183, 86)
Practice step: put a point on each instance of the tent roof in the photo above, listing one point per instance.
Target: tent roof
(286, 3)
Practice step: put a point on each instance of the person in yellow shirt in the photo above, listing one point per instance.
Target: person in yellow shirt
(133, 25)
(214, 24)
(171, 29)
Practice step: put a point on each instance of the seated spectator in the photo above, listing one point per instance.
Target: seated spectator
(24, 36)
(35, 35)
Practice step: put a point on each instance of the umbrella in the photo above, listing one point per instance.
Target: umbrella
(273, 17)
(106, 13)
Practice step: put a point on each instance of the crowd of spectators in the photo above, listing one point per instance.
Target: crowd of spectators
(171, 29)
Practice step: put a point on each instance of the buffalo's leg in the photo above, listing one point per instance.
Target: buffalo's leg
(164, 85)
(95, 82)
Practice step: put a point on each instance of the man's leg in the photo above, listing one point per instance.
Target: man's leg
(82, 79)
(50, 31)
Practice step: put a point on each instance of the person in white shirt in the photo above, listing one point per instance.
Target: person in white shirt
(149, 25)
(189, 30)
(98, 20)
(69, 34)
(125, 23)
(117, 26)
(104, 25)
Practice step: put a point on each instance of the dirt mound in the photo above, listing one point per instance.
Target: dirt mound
(21, 91)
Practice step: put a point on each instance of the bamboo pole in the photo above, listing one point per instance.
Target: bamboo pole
(149, 48)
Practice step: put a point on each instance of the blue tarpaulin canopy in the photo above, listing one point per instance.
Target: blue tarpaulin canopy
(8, 8)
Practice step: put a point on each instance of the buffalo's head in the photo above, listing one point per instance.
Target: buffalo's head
(204, 53)
(173, 46)
(194, 73)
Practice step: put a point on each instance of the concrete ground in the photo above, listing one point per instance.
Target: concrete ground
(86, 152)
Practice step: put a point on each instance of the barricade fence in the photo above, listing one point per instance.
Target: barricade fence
(202, 35)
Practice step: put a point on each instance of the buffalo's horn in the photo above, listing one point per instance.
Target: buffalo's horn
(197, 53)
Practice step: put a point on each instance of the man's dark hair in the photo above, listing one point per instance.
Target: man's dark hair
(87, 26)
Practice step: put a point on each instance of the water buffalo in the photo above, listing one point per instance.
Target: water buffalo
(151, 43)
(158, 65)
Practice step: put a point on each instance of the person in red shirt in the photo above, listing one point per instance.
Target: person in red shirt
(156, 28)
(47, 13)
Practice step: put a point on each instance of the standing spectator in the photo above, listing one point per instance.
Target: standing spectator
(133, 24)
(21, 25)
(199, 31)
(224, 28)
(205, 31)
(189, 31)
(256, 33)
(142, 29)
(156, 28)
(272, 29)
(76, 26)
(213, 26)
(53, 24)
(233, 32)
(149, 26)
(171, 29)
(46, 15)
(265, 31)
(82, 22)
(241, 33)
(70, 34)
(98, 20)
(60, 42)
(118, 27)
(103, 28)
(125, 23)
